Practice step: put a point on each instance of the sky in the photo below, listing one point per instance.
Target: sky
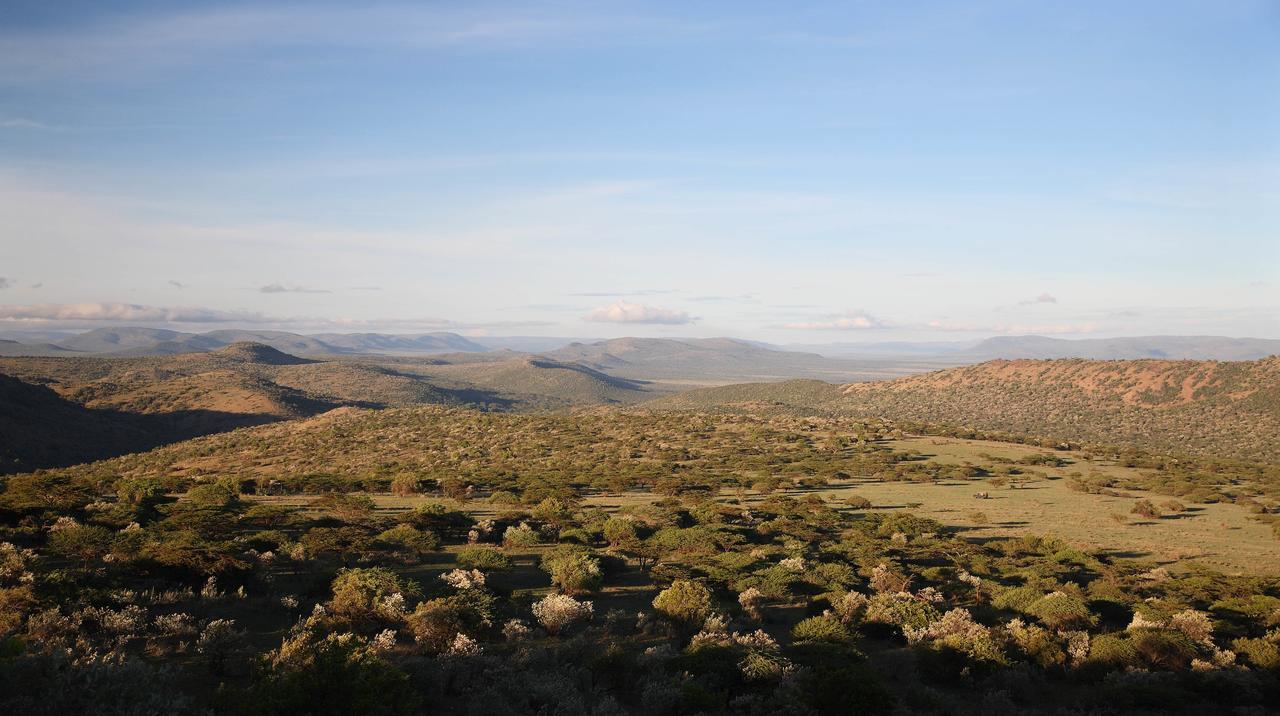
(803, 172)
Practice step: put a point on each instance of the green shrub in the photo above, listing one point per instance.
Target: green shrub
(1017, 599)
(1258, 653)
(573, 571)
(1112, 652)
(1061, 611)
(410, 538)
(483, 558)
(686, 602)
(1164, 648)
(901, 611)
(364, 593)
(821, 629)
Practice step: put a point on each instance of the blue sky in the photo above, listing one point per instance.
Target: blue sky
(791, 172)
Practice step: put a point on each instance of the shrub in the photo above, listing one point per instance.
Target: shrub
(1112, 652)
(520, 536)
(218, 495)
(367, 593)
(555, 612)
(410, 539)
(405, 484)
(685, 602)
(573, 571)
(1163, 648)
(1146, 508)
(1258, 653)
(1060, 610)
(752, 601)
(821, 629)
(486, 558)
(220, 643)
(1017, 599)
(618, 531)
(857, 502)
(1038, 645)
(436, 622)
(347, 508)
(901, 610)
(82, 542)
(331, 676)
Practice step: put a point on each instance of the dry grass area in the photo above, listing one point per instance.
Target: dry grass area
(1222, 536)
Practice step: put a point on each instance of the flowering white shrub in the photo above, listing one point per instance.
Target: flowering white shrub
(752, 601)
(1194, 624)
(13, 564)
(850, 608)
(179, 624)
(515, 630)
(385, 640)
(392, 606)
(463, 578)
(887, 580)
(792, 564)
(210, 589)
(463, 645)
(1141, 622)
(557, 611)
(63, 523)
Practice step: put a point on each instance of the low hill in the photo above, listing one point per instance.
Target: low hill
(1221, 409)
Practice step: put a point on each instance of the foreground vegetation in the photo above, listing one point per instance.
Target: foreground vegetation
(398, 561)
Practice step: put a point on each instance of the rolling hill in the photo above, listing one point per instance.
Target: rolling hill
(1222, 409)
(160, 399)
(140, 342)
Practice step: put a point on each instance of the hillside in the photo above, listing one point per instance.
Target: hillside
(161, 399)
(41, 429)
(1223, 409)
(1229, 409)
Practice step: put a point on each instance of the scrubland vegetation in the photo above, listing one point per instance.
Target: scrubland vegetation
(453, 561)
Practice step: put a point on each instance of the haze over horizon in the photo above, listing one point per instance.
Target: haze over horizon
(828, 173)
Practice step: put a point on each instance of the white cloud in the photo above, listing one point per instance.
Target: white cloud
(280, 288)
(852, 320)
(124, 312)
(1042, 298)
(623, 312)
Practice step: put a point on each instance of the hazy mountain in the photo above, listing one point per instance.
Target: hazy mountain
(708, 361)
(132, 342)
(527, 344)
(397, 344)
(16, 348)
(1166, 347)
(1013, 347)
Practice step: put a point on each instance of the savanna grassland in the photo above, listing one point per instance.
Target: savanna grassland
(439, 559)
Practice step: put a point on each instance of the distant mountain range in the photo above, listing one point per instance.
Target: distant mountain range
(748, 360)
(1015, 347)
